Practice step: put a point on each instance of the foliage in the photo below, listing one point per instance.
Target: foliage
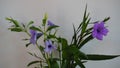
(70, 54)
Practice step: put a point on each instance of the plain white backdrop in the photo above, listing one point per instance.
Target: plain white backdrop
(13, 53)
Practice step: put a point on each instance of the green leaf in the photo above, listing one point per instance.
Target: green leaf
(30, 23)
(82, 55)
(100, 57)
(33, 62)
(71, 51)
(106, 19)
(16, 29)
(41, 48)
(51, 36)
(15, 22)
(52, 27)
(74, 36)
(84, 17)
(53, 63)
(63, 64)
(63, 41)
(30, 53)
(25, 39)
(35, 28)
(90, 37)
(28, 44)
(85, 21)
(79, 63)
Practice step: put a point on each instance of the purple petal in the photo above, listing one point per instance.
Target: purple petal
(94, 33)
(39, 35)
(48, 50)
(105, 31)
(99, 37)
(50, 42)
(101, 24)
(46, 43)
(33, 36)
(49, 47)
(96, 26)
(50, 23)
(99, 30)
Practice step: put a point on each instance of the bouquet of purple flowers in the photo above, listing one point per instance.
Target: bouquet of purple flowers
(69, 54)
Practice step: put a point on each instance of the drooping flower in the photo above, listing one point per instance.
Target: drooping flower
(50, 23)
(49, 47)
(33, 38)
(99, 30)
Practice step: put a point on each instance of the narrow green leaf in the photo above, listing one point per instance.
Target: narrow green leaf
(106, 19)
(97, 57)
(15, 22)
(28, 44)
(16, 29)
(82, 24)
(75, 35)
(51, 36)
(33, 62)
(25, 39)
(52, 27)
(84, 17)
(35, 28)
(30, 23)
(85, 22)
(79, 63)
(30, 53)
(90, 37)
(82, 55)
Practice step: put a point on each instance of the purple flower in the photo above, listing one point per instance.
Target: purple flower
(50, 23)
(39, 35)
(99, 30)
(49, 47)
(33, 36)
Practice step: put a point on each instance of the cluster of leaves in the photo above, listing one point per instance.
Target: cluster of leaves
(70, 54)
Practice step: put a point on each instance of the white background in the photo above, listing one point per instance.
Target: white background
(13, 53)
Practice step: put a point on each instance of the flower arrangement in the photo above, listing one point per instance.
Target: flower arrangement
(69, 54)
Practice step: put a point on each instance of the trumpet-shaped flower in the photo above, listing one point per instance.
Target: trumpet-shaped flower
(33, 38)
(49, 47)
(99, 30)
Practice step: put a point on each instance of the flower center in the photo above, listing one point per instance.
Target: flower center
(99, 30)
(49, 46)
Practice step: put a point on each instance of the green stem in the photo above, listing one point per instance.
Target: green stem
(60, 56)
